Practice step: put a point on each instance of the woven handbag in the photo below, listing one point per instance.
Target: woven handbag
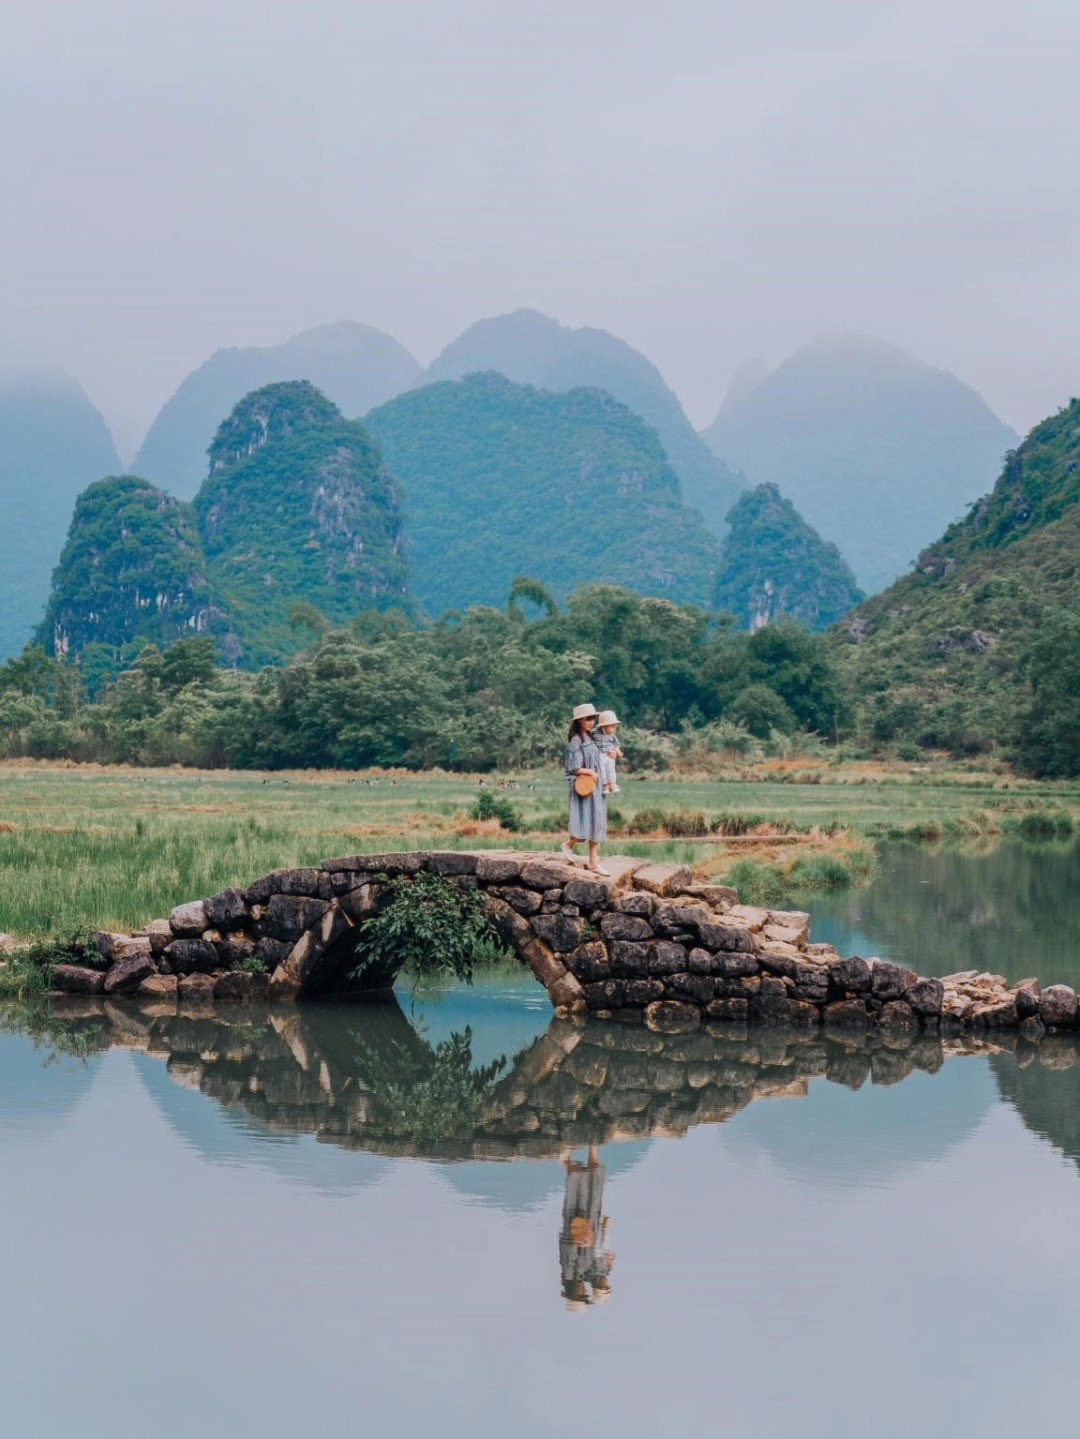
(584, 784)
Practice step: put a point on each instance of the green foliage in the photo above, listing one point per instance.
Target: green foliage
(442, 1093)
(132, 569)
(975, 650)
(502, 480)
(760, 710)
(297, 506)
(1048, 736)
(775, 564)
(678, 823)
(1039, 826)
(22, 976)
(478, 691)
(497, 806)
(427, 926)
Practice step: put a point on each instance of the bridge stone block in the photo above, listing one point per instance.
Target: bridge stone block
(589, 893)
(666, 957)
(452, 863)
(358, 903)
(726, 933)
(565, 992)
(543, 964)
(227, 910)
(301, 881)
(260, 890)
(288, 916)
(1058, 1007)
(188, 919)
(628, 957)
(589, 962)
(497, 868)
(560, 931)
(525, 901)
(188, 956)
(398, 862)
(796, 919)
(626, 927)
(851, 974)
(890, 981)
(662, 879)
(639, 902)
(546, 874)
(674, 916)
(306, 952)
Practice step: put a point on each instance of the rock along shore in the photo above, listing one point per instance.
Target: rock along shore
(647, 941)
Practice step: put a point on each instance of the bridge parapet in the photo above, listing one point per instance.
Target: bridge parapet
(645, 938)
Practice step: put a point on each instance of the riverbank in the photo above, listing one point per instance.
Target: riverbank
(107, 847)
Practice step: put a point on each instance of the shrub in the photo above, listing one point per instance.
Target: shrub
(496, 806)
(686, 823)
(1037, 826)
(428, 926)
(760, 710)
(644, 821)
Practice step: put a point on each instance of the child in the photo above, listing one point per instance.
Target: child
(610, 751)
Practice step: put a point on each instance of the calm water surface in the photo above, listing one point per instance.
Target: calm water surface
(1013, 911)
(340, 1221)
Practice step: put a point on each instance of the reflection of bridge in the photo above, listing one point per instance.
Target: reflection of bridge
(645, 938)
(367, 1080)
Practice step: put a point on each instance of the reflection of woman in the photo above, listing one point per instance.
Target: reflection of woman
(588, 812)
(582, 1260)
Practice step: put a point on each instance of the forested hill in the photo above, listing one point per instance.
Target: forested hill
(354, 365)
(297, 506)
(501, 479)
(877, 450)
(53, 442)
(132, 570)
(533, 349)
(980, 644)
(775, 564)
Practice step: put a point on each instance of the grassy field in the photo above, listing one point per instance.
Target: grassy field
(89, 846)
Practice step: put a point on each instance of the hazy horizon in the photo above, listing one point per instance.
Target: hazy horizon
(708, 183)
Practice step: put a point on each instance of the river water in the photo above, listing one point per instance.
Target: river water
(456, 1216)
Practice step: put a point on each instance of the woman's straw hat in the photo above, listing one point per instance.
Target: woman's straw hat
(607, 717)
(584, 711)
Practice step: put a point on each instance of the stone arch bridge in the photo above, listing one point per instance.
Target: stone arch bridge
(647, 938)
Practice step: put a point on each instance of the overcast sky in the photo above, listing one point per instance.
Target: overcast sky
(710, 181)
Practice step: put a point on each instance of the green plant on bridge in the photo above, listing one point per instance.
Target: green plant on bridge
(428, 926)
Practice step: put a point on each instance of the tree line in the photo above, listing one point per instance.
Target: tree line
(477, 690)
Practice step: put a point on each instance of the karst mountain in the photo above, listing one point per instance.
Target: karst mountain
(354, 365)
(877, 450)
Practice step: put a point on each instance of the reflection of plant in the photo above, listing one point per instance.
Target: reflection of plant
(32, 1014)
(428, 926)
(443, 1099)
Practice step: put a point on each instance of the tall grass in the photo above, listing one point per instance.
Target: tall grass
(89, 846)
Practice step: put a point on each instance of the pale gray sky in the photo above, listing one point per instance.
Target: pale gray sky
(709, 181)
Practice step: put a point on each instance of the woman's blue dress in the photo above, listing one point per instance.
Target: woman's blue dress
(588, 813)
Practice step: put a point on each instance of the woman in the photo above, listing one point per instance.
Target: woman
(588, 813)
(583, 1259)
